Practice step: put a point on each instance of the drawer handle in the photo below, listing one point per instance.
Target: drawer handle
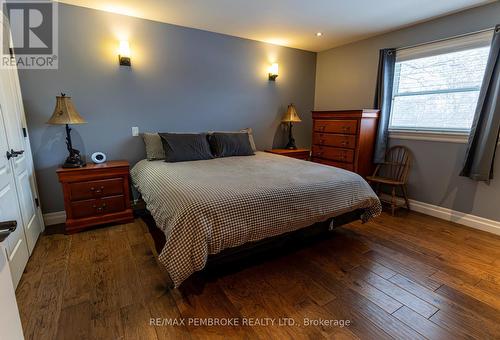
(98, 191)
(346, 129)
(321, 141)
(101, 208)
(344, 143)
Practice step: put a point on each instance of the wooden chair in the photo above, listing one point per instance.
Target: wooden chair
(393, 172)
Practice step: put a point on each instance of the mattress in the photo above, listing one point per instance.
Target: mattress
(206, 206)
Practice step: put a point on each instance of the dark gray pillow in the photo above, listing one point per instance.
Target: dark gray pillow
(180, 147)
(226, 144)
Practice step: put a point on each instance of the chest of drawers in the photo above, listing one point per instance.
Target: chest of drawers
(96, 194)
(345, 139)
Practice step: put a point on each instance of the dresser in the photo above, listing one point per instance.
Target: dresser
(345, 139)
(96, 194)
(303, 154)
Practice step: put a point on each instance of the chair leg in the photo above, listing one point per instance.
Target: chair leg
(393, 200)
(405, 194)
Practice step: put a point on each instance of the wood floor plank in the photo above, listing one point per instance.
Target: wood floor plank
(472, 290)
(43, 322)
(453, 309)
(373, 294)
(469, 302)
(136, 323)
(106, 284)
(425, 327)
(107, 326)
(404, 269)
(369, 320)
(404, 297)
(455, 324)
(75, 322)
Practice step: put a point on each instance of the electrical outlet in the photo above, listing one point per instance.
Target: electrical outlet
(135, 131)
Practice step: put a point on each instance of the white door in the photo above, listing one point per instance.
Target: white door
(17, 136)
(10, 323)
(18, 194)
(15, 245)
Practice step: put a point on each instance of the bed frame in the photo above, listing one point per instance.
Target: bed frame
(254, 252)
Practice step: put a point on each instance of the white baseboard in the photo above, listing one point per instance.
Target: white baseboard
(468, 220)
(472, 221)
(57, 217)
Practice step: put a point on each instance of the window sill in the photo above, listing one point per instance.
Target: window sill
(432, 136)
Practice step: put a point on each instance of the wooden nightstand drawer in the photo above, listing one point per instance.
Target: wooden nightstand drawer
(100, 206)
(302, 154)
(334, 154)
(95, 189)
(345, 166)
(336, 126)
(96, 194)
(343, 141)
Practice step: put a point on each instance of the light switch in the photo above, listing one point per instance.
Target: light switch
(135, 131)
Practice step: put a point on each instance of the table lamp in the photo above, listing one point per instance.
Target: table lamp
(291, 117)
(64, 114)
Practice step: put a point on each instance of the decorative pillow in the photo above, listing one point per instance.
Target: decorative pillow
(180, 147)
(226, 144)
(250, 137)
(154, 146)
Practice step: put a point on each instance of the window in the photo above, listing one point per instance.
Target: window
(436, 86)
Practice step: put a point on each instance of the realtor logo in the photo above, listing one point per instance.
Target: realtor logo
(32, 40)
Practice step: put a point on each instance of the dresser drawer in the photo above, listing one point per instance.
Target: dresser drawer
(95, 189)
(336, 126)
(333, 154)
(345, 166)
(343, 141)
(99, 206)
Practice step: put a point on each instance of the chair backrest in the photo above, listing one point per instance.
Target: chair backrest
(397, 164)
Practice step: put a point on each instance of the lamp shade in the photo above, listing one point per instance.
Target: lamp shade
(65, 112)
(291, 115)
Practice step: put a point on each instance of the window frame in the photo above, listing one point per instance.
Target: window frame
(456, 44)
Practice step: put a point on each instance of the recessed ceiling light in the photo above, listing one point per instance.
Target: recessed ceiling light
(319, 34)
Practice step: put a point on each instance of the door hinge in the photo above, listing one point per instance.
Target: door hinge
(37, 202)
(25, 133)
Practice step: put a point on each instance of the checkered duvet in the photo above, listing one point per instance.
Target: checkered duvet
(204, 207)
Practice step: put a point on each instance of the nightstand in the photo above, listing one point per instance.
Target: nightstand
(96, 194)
(303, 154)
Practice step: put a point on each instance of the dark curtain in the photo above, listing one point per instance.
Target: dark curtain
(383, 100)
(483, 138)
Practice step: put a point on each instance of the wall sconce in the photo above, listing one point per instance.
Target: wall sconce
(273, 71)
(124, 53)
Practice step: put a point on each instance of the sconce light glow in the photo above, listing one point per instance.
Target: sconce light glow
(273, 71)
(124, 53)
(319, 34)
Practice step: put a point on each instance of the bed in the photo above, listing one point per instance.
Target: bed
(205, 207)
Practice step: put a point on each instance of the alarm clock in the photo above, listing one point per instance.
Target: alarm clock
(98, 157)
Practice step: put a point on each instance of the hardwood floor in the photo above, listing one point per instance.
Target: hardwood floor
(407, 277)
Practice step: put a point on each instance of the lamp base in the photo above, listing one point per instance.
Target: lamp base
(74, 161)
(291, 141)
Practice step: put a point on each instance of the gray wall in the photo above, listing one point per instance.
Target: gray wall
(346, 77)
(181, 79)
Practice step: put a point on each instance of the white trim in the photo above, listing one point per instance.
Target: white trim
(472, 221)
(57, 217)
(468, 220)
(449, 45)
(433, 136)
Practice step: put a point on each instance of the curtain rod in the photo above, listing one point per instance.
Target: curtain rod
(445, 39)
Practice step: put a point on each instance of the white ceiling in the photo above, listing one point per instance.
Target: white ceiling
(292, 23)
